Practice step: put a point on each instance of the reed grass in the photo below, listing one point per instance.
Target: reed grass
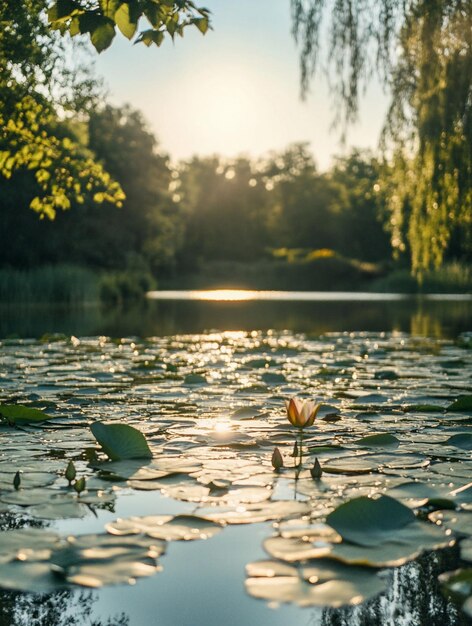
(52, 284)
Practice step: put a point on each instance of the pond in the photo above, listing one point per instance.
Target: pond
(206, 532)
(170, 313)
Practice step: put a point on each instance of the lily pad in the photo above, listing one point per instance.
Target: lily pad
(462, 403)
(166, 527)
(319, 583)
(258, 512)
(369, 522)
(19, 414)
(97, 560)
(380, 440)
(121, 441)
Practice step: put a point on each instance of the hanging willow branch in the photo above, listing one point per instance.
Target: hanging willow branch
(421, 51)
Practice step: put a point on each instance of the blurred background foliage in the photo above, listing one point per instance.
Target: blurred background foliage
(115, 205)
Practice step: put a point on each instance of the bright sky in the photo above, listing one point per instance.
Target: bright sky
(235, 90)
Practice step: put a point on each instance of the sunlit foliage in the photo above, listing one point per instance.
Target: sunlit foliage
(36, 90)
(99, 19)
(422, 52)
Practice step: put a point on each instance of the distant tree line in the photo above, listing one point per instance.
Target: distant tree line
(108, 198)
(176, 216)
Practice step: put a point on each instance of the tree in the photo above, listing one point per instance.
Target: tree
(34, 86)
(307, 204)
(143, 233)
(422, 52)
(226, 209)
(362, 231)
(99, 19)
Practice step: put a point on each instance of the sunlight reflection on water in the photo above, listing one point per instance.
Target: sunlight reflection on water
(240, 295)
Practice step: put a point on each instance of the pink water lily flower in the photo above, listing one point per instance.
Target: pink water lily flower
(301, 413)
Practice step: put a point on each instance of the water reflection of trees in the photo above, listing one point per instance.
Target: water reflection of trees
(61, 608)
(413, 598)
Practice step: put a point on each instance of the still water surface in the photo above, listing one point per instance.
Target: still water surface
(175, 312)
(202, 582)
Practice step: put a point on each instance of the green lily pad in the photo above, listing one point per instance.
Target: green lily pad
(466, 549)
(121, 441)
(380, 440)
(258, 512)
(24, 542)
(369, 522)
(319, 583)
(407, 544)
(462, 403)
(60, 506)
(19, 414)
(166, 527)
(97, 560)
(462, 440)
(458, 585)
(34, 576)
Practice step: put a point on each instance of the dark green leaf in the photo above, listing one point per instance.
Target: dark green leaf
(120, 441)
(19, 414)
(126, 21)
(102, 36)
(368, 522)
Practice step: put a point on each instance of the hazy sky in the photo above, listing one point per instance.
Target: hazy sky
(234, 90)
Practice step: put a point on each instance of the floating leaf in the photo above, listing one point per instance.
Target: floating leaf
(19, 414)
(180, 527)
(369, 522)
(27, 542)
(97, 560)
(254, 513)
(121, 441)
(463, 403)
(380, 440)
(462, 440)
(319, 583)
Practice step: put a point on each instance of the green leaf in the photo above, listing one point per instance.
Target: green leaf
(103, 35)
(322, 582)
(368, 522)
(120, 441)
(125, 21)
(381, 440)
(462, 403)
(110, 7)
(97, 560)
(61, 9)
(202, 24)
(462, 440)
(19, 414)
(155, 36)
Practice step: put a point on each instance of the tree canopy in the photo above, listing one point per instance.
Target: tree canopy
(421, 50)
(100, 19)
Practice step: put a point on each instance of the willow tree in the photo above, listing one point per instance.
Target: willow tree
(421, 50)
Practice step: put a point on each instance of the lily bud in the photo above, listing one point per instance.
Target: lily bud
(70, 472)
(316, 471)
(277, 460)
